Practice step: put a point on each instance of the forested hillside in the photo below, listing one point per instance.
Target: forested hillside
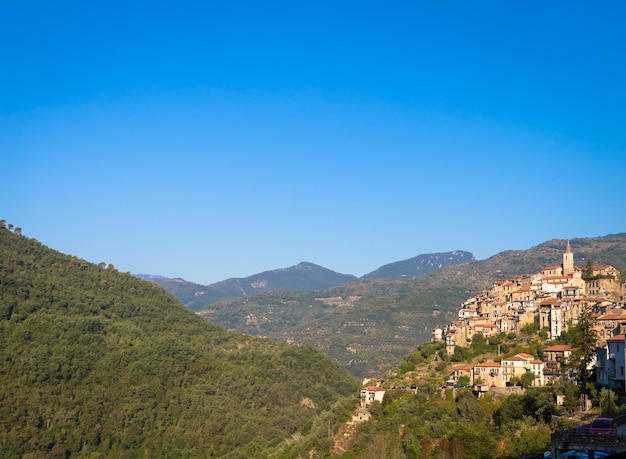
(444, 423)
(422, 415)
(96, 363)
(366, 326)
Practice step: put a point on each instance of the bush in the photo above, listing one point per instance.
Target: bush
(461, 354)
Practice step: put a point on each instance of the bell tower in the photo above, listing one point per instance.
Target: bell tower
(568, 261)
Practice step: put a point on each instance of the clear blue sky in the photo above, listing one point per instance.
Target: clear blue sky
(208, 140)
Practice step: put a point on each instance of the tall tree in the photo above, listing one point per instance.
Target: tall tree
(588, 274)
(584, 339)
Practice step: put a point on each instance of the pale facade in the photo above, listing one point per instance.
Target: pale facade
(537, 366)
(371, 394)
(610, 363)
(489, 373)
(516, 366)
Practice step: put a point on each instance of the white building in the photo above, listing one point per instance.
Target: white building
(371, 394)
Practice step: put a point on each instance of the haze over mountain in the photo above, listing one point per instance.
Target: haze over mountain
(194, 296)
(303, 276)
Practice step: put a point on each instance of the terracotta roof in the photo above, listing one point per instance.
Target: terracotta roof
(487, 364)
(462, 367)
(612, 317)
(373, 389)
(550, 301)
(558, 347)
(616, 338)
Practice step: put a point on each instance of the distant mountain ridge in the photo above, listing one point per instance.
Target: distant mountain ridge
(420, 265)
(304, 276)
(192, 295)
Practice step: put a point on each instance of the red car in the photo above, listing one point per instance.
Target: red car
(602, 426)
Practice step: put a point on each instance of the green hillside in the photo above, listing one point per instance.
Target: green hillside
(443, 423)
(96, 363)
(368, 326)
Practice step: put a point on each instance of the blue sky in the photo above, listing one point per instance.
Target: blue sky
(208, 140)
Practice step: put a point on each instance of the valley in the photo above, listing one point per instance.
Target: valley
(100, 363)
(369, 325)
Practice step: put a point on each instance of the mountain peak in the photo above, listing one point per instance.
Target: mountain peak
(303, 276)
(420, 265)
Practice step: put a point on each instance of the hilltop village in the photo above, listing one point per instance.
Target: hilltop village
(551, 301)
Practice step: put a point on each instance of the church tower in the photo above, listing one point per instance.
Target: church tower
(568, 261)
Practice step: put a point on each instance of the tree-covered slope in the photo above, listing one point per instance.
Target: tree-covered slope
(366, 326)
(94, 361)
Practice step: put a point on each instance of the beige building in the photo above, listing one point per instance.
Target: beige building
(609, 325)
(489, 373)
(537, 366)
(515, 366)
(461, 370)
(605, 283)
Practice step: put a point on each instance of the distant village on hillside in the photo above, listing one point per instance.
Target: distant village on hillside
(551, 301)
